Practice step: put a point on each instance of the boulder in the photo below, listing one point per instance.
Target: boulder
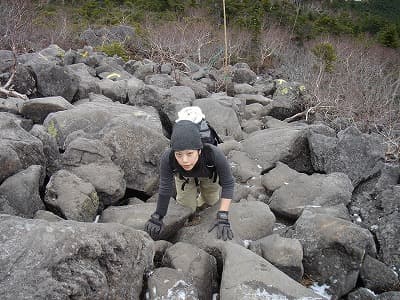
(358, 155)
(50, 148)
(72, 197)
(199, 89)
(137, 215)
(333, 250)
(311, 190)
(248, 276)
(87, 80)
(161, 80)
(19, 193)
(59, 260)
(378, 277)
(286, 102)
(243, 75)
(380, 213)
(108, 35)
(54, 80)
(251, 220)
(284, 253)
(37, 109)
(115, 90)
(243, 167)
(18, 148)
(197, 264)
(11, 105)
(106, 177)
(133, 134)
(286, 144)
(280, 175)
(47, 215)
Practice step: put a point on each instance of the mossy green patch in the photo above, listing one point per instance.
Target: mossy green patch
(51, 129)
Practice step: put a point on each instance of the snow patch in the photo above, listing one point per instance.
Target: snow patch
(321, 290)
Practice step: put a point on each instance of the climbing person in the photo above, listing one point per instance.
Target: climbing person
(193, 165)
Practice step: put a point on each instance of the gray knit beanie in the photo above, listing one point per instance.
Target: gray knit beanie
(186, 136)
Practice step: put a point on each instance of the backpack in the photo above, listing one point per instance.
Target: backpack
(207, 132)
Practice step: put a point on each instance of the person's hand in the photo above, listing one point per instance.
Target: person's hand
(154, 226)
(224, 230)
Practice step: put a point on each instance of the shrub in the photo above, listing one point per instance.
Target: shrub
(115, 48)
(389, 37)
(326, 53)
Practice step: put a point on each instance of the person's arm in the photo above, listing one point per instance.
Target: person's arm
(155, 224)
(165, 189)
(226, 180)
(225, 203)
(227, 183)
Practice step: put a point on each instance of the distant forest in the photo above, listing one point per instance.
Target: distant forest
(307, 18)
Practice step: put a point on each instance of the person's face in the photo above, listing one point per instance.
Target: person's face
(187, 159)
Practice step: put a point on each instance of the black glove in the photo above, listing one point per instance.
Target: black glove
(224, 227)
(154, 226)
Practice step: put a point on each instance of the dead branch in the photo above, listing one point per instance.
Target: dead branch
(13, 94)
(6, 89)
(312, 110)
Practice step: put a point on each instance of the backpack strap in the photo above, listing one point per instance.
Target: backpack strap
(210, 161)
(214, 134)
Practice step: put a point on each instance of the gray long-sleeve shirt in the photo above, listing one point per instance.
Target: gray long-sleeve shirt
(222, 169)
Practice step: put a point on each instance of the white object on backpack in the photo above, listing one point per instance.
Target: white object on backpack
(191, 113)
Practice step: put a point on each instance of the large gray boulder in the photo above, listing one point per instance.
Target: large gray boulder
(358, 155)
(50, 148)
(37, 109)
(286, 144)
(54, 80)
(380, 213)
(161, 80)
(67, 259)
(243, 167)
(133, 134)
(11, 105)
(72, 197)
(85, 151)
(91, 160)
(87, 80)
(197, 264)
(311, 190)
(378, 277)
(115, 90)
(333, 250)
(18, 148)
(243, 75)
(248, 276)
(108, 35)
(278, 176)
(284, 253)
(106, 177)
(19, 193)
(137, 215)
(251, 220)
(286, 99)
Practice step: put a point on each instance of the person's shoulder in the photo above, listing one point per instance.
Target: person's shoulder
(218, 153)
(166, 154)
